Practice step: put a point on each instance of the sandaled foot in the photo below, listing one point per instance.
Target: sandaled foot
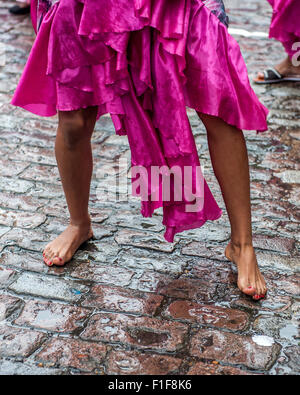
(62, 249)
(20, 9)
(285, 71)
(250, 279)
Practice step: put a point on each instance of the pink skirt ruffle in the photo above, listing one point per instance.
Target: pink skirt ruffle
(143, 61)
(285, 25)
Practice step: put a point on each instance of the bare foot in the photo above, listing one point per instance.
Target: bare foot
(250, 279)
(61, 250)
(285, 68)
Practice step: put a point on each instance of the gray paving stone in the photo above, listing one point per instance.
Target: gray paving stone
(21, 219)
(48, 287)
(279, 263)
(235, 349)
(34, 240)
(147, 260)
(143, 240)
(5, 276)
(15, 185)
(11, 368)
(17, 342)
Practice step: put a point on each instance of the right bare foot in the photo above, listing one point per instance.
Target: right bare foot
(250, 279)
(62, 249)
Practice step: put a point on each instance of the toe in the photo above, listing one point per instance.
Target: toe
(47, 250)
(48, 262)
(48, 253)
(45, 257)
(265, 289)
(45, 254)
(260, 76)
(259, 289)
(264, 293)
(256, 297)
(48, 256)
(58, 261)
(248, 290)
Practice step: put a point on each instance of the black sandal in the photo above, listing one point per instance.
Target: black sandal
(17, 10)
(272, 76)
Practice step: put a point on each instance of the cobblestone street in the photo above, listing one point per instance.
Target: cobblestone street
(129, 302)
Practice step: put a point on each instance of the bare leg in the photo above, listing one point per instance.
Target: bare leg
(230, 162)
(74, 158)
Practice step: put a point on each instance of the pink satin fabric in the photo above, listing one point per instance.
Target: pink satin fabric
(285, 25)
(143, 61)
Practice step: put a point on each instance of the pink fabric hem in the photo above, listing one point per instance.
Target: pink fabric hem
(143, 62)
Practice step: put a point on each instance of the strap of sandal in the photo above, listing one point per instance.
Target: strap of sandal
(272, 74)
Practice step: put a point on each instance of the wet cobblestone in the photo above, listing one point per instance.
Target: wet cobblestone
(231, 348)
(130, 303)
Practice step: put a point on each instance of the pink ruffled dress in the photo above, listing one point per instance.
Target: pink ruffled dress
(285, 25)
(143, 61)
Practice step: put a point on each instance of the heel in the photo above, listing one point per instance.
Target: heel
(225, 254)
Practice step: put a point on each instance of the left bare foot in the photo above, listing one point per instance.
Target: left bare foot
(250, 279)
(61, 250)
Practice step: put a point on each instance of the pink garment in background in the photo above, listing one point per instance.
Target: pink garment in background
(285, 25)
(143, 61)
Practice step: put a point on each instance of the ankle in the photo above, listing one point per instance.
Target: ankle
(83, 223)
(241, 245)
(286, 66)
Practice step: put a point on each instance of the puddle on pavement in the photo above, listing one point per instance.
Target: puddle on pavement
(289, 332)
